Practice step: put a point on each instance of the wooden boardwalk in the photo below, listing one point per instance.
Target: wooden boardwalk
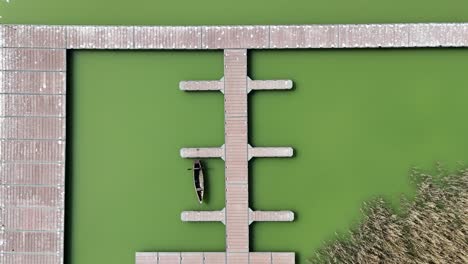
(33, 72)
(214, 258)
(236, 152)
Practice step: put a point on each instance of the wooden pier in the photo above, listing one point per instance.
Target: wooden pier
(33, 87)
(236, 152)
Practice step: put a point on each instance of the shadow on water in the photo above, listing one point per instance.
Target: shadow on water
(206, 176)
(69, 162)
(253, 162)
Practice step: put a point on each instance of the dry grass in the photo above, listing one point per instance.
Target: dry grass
(432, 229)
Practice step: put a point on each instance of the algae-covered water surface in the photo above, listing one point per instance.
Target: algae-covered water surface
(359, 120)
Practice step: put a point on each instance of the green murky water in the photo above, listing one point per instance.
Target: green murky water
(359, 120)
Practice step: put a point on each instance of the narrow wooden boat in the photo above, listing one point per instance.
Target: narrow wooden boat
(198, 179)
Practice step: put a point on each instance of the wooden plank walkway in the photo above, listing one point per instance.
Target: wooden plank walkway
(32, 115)
(214, 258)
(236, 160)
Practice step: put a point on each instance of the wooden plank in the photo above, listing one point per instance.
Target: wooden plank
(304, 36)
(214, 257)
(146, 258)
(235, 82)
(28, 258)
(237, 258)
(32, 105)
(237, 218)
(31, 196)
(191, 258)
(29, 59)
(201, 85)
(203, 216)
(34, 36)
(32, 174)
(283, 258)
(169, 257)
(32, 191)
(374, 36)
(230, 37)
(31, 242)
(271, 216)
(167, 37)
(236, 161)
(438, 35)
(32, 128)
(269, 84)
(100, 37)
(227, 37)
(25, 82)
(260, 258)
(32, 151)
(370, 35)
(32, 218)
(272, 152)
(202, 152)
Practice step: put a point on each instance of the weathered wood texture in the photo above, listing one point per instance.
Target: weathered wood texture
(32, 117)
(271, 216)
(214, 258)
(236, 37)
(203, 216)
(265, 152)
(202, 85)
(32, 147)
(236, 161)
(202, 152)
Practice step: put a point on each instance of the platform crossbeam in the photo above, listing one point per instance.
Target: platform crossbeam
(271, 216)
(202, 152)
(203, 216)
(269, 84)
(270, 152)
(202, 85)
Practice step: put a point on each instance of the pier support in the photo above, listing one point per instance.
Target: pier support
(270, 152)
(202, 85)
(203, 216)
(202, 152)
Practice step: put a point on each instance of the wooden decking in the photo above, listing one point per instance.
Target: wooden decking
(236, 167)
(33, 72)
(214, 258)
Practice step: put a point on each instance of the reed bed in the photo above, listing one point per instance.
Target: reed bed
(432, 227)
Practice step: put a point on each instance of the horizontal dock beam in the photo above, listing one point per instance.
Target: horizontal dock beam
(254, 216)
(202, 152)
(260, 152)
(251, 85)
(202, 85)
(203, 216)
(269, 85)
(273, 152)
(271, 216)
(315, 36)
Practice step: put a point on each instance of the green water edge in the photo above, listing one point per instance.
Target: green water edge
(359, 120)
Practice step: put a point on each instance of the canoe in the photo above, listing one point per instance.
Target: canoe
(198, 179)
